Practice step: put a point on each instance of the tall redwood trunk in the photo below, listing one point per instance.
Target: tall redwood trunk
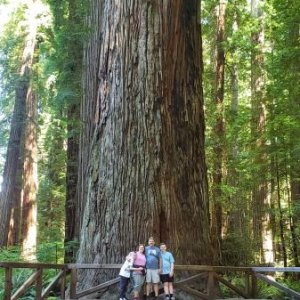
(146, 172)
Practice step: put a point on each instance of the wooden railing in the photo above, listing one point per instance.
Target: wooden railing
(211, 275)
(35, 279)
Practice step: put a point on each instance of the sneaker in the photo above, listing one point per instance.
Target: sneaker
(172, 298)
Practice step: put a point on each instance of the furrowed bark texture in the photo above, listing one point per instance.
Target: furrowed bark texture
(90, 80)
(146, 173)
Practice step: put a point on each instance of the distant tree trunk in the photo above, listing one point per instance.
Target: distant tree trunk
(219, 130)
(261, 219)
(281, 219)
(10, 214)
(146, 172)
(273, 220)
(73, 115)
(30, 180)
(293, 207)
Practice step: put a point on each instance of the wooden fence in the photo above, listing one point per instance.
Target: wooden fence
(211, 274)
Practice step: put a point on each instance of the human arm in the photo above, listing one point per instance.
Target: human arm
(172, 261)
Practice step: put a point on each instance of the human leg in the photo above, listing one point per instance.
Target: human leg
(138, 281)
(171, 290)
(166, 289)
(156, 281)
(148, 288)
(123, 286)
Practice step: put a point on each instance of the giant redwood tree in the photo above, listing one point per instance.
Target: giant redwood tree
(143, 118)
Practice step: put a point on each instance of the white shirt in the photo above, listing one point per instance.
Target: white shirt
(125, 269)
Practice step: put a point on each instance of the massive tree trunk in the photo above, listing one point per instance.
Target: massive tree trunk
(261, 219)
(219, 129)
(146, 172)
(11, 203)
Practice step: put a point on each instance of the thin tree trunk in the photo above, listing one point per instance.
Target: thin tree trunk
(281, 220)
(291, 205)
(146, 173)
(273, 221)
(219, 131)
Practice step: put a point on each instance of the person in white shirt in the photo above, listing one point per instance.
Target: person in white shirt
(125, 275)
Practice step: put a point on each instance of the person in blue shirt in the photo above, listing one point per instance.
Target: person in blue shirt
(153, 266)
(167, 274)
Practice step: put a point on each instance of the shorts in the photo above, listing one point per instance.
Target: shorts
(152, 276)
(137, 282)
(166, 278)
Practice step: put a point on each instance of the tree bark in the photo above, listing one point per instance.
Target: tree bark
(146, 171)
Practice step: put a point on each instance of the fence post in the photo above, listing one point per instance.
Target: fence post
(63, 284)
(247, 284)
(254, 285)
(211, 285)
(73, 283)
(39, 284)
(8, 283)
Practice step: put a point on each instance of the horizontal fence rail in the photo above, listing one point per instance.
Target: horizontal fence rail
(212, 275)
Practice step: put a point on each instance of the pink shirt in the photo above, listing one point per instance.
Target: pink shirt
(140, 261)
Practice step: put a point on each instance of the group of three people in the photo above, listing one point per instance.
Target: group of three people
(153, 263)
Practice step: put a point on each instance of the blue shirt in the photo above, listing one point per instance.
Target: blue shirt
(167, 260)
(153, 255)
